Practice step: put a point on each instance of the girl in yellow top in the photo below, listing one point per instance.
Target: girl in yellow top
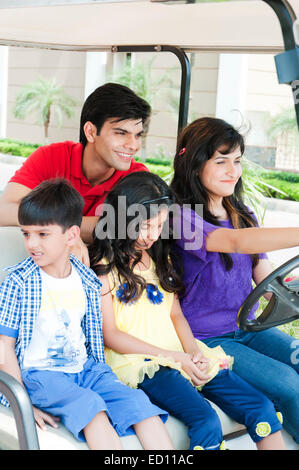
(149, 344)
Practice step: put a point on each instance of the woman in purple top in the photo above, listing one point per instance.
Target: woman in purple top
(220, 245)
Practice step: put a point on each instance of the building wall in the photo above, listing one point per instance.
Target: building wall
(265, 96)
(260, 96)
(163, 127)
(25, 65)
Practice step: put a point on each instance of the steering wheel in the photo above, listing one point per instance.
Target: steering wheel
(283, 306)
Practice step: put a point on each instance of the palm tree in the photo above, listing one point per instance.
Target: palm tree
(43, 97)
(284, 121)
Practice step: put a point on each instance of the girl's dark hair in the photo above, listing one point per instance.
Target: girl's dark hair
(196, 144)
(53, 201)
(112, 100)
(120, 250)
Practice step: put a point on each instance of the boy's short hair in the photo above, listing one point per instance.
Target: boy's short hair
(53, 201)
(112, 100)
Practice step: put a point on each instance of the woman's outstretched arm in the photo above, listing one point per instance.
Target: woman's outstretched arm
(252, 240)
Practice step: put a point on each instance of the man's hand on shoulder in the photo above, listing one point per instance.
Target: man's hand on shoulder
(80, 250)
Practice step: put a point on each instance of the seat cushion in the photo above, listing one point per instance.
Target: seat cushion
(62, 439)
(11, 247)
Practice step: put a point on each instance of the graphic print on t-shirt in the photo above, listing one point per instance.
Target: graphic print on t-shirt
(58, 342)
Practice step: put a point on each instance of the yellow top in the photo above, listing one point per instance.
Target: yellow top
(152, 323)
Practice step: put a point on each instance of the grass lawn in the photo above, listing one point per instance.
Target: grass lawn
(291, 328)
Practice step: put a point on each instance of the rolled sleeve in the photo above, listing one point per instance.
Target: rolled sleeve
(9, 307)
(4, 330)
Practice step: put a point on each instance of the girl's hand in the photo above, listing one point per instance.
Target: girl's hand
(41, 418)
(198, 376)
(201, 361)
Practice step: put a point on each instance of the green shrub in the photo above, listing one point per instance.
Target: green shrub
(291, 328)
(160, 170)
(14, 147)
(282, 175)
(278, 184)
(156, 161)
(291, 189)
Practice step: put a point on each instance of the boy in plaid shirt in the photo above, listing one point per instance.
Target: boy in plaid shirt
(51, 332)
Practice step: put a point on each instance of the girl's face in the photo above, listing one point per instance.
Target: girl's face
(150, 230)
(221, 173)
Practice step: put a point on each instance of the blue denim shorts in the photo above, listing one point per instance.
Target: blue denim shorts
(77, 398)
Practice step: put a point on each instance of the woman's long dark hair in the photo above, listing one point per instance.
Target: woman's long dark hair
(197, 143)
(120, 250)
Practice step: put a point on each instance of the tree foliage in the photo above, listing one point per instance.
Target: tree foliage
(44, 98)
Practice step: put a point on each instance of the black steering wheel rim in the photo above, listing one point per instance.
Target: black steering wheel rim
(283, 306)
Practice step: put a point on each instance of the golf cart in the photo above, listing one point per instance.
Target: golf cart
(100, 26)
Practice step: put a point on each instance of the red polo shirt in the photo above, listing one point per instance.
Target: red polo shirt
(64, 160)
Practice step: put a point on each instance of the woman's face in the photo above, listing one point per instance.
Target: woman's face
(221, 173)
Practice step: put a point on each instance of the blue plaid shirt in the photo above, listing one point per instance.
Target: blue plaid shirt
(20, 300)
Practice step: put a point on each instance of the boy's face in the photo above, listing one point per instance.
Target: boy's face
(48, 245)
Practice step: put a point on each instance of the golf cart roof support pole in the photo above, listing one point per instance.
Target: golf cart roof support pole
(21, 407)
(287, 63)
(185, 74)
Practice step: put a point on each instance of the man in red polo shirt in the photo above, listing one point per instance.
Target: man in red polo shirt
(111, 127)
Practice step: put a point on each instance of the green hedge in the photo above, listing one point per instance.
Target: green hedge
(160, 170)
(15, 147)
(156, 161)
(282, 175)
(284, 181)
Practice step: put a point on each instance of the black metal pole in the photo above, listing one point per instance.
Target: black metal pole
(185, 74)
(287, 63)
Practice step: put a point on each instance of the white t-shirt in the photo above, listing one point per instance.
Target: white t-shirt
(58, 342)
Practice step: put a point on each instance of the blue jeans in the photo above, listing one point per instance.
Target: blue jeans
(268, 360)
(169, 390)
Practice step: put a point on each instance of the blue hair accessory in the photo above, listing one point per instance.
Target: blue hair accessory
(152, 292)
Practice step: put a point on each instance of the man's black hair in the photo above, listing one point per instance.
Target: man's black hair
(112, 100)
(52, 202)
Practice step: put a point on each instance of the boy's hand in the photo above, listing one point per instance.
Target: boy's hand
(42, 418)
